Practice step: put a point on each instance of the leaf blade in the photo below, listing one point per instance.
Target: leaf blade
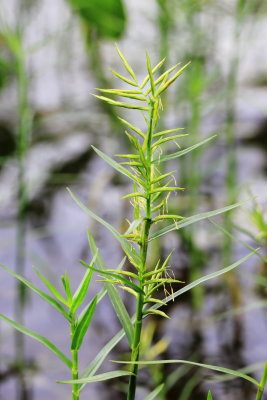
(98, 378)
(224, 370)
(155, 392)
(114, 296)
(39, 338)
(193, 219)
(83, 325)
(127, 247)
(42, 294)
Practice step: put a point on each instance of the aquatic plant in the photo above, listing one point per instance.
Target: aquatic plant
(149, 198)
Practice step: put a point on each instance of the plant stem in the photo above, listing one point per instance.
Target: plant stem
(143, 254)
(75, 367)
(262, 384)
(23, 136)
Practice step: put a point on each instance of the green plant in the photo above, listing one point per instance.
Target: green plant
(150, 197)
(13, 39)
(78, 324)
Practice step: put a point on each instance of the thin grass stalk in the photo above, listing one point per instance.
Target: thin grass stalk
(191, 166)
(231, 167)
(23, 136)
(262, 384)
(143, 254)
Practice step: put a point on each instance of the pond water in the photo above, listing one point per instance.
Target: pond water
(66, 122)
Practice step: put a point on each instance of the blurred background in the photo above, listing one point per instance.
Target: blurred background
(53, 53)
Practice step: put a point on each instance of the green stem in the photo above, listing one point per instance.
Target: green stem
(22, 145)
(143, 253)
(75, 368)
(262, 384)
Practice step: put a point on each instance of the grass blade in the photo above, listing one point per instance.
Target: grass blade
(66, 283)
(126, 64)
(99, 378)
(42, 294)
(123, 78)
(50, 287)
(39, 338)
(223, 370)
(193, 219)
(209, 396)
(155, 392)
(183, 152)
(83, 325)
(204, 279)
(114, 296)
(127, 247)
(81, 291)
(117, 166)
(101, 356)
(114, 276)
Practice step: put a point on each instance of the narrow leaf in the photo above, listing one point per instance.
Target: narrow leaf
(101, 356)
(120, 104)
(170, 81)
(122, 93)
(183, 152)
(165, 140)
(204, 279)
(114, 296)
(155, 392)
(192, 220)
(126, 64)
(117, 166)
(162, 133)
(127, 247)
(66, 284)
(98, 378)
(156, 312)
(209, 396)
(50, 287)
(44, 296)
(83, 325)
(81, 291)
(206, 366)
(39, 338)
(150, 73)
(134, 128)
(134, 225)
(159, 178)
(143, 84)
(162, 77)
(168, 216)
(165, 189)
(123, 78)
(114, 276)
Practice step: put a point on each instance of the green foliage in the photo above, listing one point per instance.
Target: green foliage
(79, 323)
(153, 395)
(209, 396)
(151, 191)
(39, 338)
(216, 368)
(99, 378)
(106, 17)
